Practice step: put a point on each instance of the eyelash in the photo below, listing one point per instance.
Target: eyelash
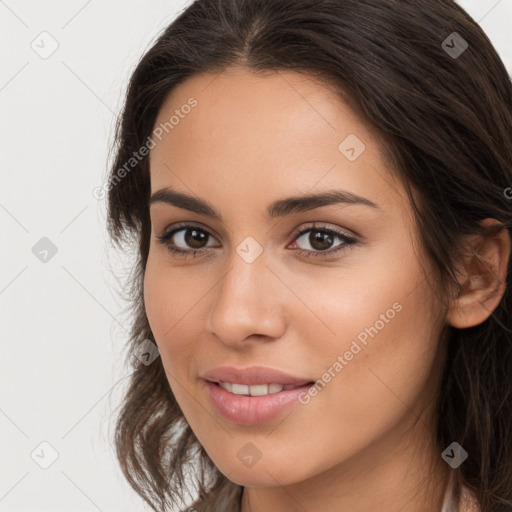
(348, 241)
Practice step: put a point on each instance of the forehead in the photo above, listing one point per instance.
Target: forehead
(251, 136)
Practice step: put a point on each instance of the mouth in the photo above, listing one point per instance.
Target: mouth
(253, 376)
(254, 404)
(258, 389)
(253, 394)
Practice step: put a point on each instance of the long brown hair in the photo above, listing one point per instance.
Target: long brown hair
(443, 104)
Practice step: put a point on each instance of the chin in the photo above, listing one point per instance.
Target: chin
(263, 474)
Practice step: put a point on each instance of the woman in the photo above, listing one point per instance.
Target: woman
(319, 196)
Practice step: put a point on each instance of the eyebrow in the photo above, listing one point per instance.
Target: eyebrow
(279, 208)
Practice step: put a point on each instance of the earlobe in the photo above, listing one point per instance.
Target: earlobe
(483, 278)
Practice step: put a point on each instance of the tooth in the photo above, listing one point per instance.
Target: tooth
(227, 386)
(258, 389)
(255, 390)
(240, 389)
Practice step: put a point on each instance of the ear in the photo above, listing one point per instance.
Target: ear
(483, 279)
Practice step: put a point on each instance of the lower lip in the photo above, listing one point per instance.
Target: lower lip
(253, 410)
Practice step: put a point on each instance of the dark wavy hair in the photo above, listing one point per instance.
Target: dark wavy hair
(446, 120)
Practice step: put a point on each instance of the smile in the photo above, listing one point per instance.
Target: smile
(256, 390)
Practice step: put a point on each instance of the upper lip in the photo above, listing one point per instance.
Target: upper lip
(252, 376)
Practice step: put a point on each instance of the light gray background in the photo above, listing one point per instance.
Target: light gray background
(62, 329)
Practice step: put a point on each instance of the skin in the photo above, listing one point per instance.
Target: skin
(367, 440)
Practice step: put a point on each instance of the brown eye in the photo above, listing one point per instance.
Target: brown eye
(189, 240)
(320, 241)
(185, 240)
(193, 237)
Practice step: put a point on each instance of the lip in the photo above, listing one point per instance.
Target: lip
(253, 410)
(253, 375)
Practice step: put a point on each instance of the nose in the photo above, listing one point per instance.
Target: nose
(248, 304)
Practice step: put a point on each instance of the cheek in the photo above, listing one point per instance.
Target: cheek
(378, 362)
(171, 303)
(157, 291)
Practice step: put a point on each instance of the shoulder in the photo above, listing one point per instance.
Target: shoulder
(468, 501)
(459, 500)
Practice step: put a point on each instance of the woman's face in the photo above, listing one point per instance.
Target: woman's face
(346, 305)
